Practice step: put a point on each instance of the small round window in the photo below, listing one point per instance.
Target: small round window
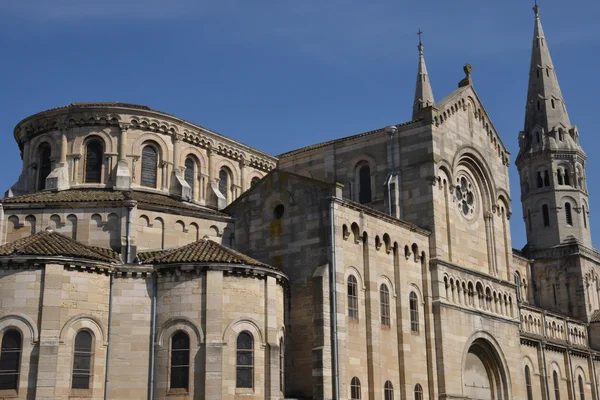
(465, 196)
(278, 211)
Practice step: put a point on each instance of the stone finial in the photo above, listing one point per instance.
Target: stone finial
(467, 80)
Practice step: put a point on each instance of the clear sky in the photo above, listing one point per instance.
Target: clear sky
(282, 74)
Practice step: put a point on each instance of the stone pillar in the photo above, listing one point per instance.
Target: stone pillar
(243, 184)
(49, 332)
(179, 187)
(213, 388)
(123, 178)
(271, 329)
(321, 352)
(59, 177)
(372, 321)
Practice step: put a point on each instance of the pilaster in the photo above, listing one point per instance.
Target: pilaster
(214, 336)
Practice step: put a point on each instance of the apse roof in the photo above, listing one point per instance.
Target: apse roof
(201, 251)
(53, 244)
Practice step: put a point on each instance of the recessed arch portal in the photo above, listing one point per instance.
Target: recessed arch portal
(484, 373)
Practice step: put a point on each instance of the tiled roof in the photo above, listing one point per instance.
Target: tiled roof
(201, 251)
(53, 244)
(595, 316)
(100, 195)
(330, 142)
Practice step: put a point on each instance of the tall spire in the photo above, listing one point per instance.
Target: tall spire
(545, 104)
(423, 92)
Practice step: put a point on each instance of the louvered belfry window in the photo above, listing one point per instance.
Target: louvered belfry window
(245, 361)
(189, 172)
(93, 162)
(149, 166)
(45, 165)
(82, 360)
(10, 359)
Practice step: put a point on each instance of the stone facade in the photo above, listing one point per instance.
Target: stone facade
(375, 266)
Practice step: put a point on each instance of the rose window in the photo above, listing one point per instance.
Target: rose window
(465, 197)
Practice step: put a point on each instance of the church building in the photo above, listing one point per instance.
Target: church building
(147, 257)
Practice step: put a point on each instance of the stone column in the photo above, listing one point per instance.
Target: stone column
(272, 349)
(213, 387)
(179, 187)
(123, 178)
(49, 332)
(243, 183)
(176, 154)
(372, 320)
(59, 177)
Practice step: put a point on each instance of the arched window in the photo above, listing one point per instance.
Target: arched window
(224, 183)
(388, 391)
(355, 389)
(581, 391)
(45, 164)
(546, 178)
(568, 215)
(149, 166)
(82, 360)
(546, 215)
(281, 365)
(556, 386)
(189, 173)
(560, 134)
(559, 176)
(567, 178)
(364, 184)
(528, 383)
(584, 217)
(180, 361)
(540, 180)
(10, 359)
(93, 161)
(352, 297)
(418, 392)
(414, 312)
(245, 361)
(384, 301)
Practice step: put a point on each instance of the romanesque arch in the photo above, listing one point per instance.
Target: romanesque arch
(485, 373)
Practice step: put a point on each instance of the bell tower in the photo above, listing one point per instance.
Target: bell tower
(551, 162)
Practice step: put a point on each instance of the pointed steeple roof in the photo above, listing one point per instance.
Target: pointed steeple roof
(423, 92)
(545, 104)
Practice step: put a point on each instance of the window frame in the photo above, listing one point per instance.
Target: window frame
(352, 298)
(365, 183)
(581, 388)
(528, 383)
(413, 301)
(225, 172)
(42, 166)
(89, 354)
(250, 366)
(194, 174)
(156, 167)
(182, 367)
(384, 303)
(418, 392)
(556, 385)
(388, 391)
(19, 359)
(355, 389)
(100, 167)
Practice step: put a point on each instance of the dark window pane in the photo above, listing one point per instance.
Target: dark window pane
(45, 165)
(245, 341)
(10, 356)
(82, 360)
(93, 162)
(180, 377)
(83, 341)
(149, 166)
(244, 377)
(224, 183)
(364, 179)
(189, 172)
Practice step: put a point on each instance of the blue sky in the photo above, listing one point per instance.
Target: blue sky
(283, 74)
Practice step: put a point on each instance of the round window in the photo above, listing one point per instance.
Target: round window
(465, 196)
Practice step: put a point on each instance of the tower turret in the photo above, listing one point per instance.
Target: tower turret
(551, 162)
(423, 92)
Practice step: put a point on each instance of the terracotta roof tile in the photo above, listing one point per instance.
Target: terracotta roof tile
(53, 244)
(100, 195)
(201, 251)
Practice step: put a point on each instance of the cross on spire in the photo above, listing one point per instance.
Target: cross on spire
(419, 33)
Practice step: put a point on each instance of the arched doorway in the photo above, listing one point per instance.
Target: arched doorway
(484, 376)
